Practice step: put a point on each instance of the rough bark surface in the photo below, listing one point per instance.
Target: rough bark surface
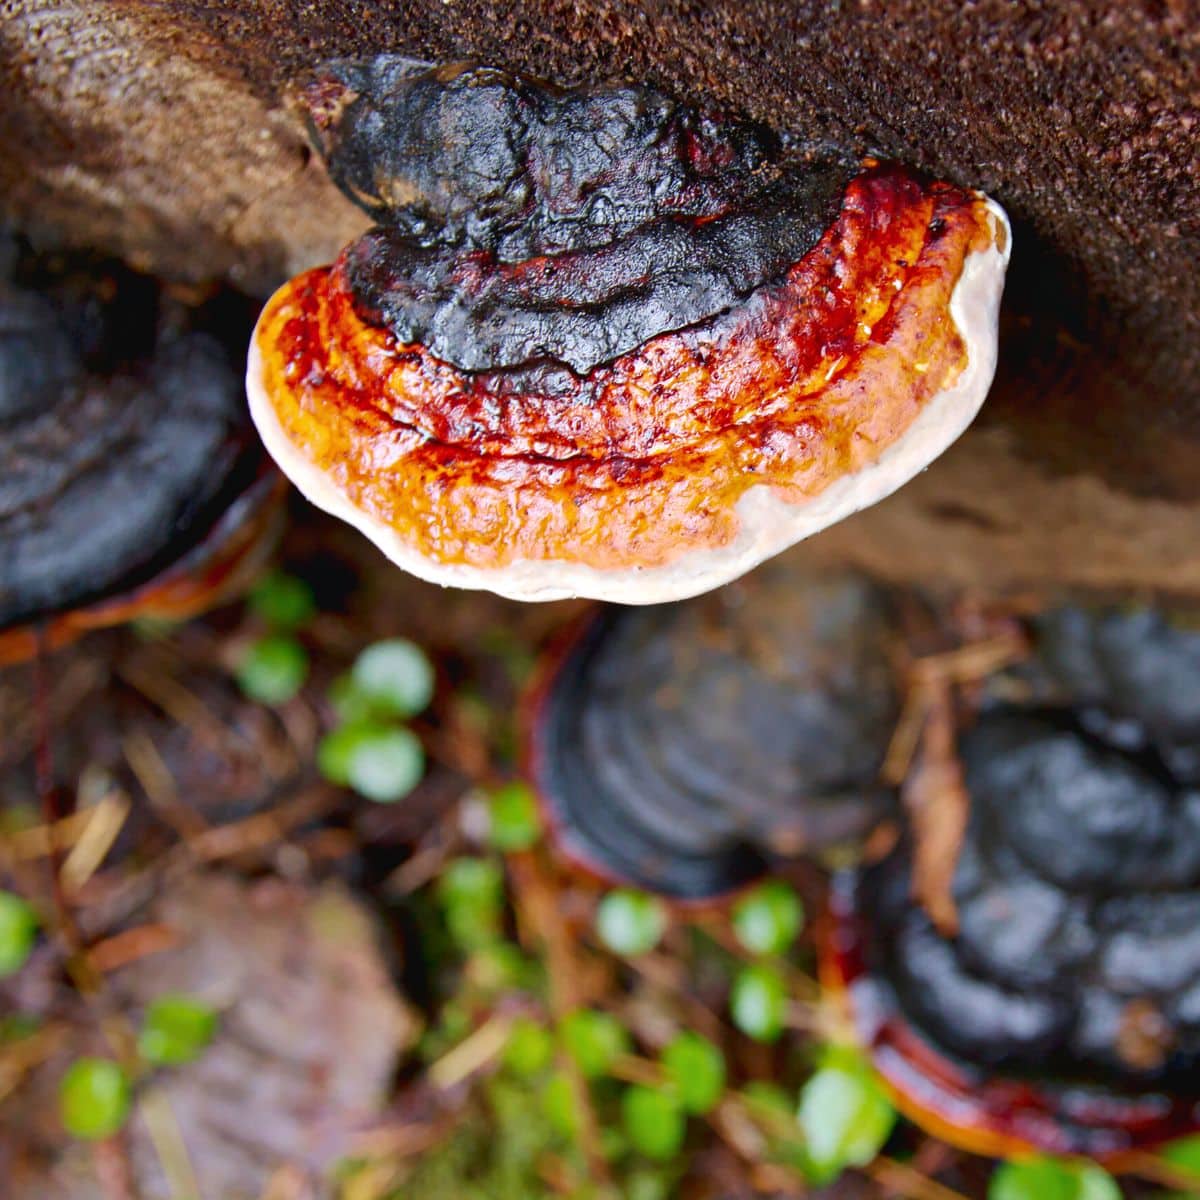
(164, 130)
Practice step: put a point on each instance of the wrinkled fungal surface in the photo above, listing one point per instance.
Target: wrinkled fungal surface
(124, 437)
(589, 321)
(1066, 1012)
(1134, 673)
(519, 221)
(681, 747)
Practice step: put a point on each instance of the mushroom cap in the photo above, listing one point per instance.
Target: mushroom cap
(1134, 673)
(635, 406)
(1065, 1013)
(126, 447)
(682, 747)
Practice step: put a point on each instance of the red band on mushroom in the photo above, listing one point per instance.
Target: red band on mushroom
(627, 389)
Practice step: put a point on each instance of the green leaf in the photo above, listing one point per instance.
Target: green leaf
(595, 1040)
(515, 821)
(93, 1098)
(381, 762)
(396, 676)
(1052, 1179)
(477, 882)
(471, 891)
(767, 919)
(630, 922)
(500, 966)
(1184, 1153)
(273, 669)
(758, 1002)
(767, 1096)
(845, 1115)
(353, 707)
(529, 1048)
(176, 1030)
(774, 1109)
(696, 1069)
(18, 932)
(558, 1103)
(282, 601)
(387, 766)
(646, 1184)
(653, 1121)
(336, 749)
(1095, 1183)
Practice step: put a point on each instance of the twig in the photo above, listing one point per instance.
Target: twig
(163, 1127)
(471, 1054)
(159, 785)
(935, 797)
(908, 1181)
(113, 1170)
(105, 822)
(1159, 1170)
(288, 1183)
(130, 945)
(534, 894)
(262, 829)
(18, 1058)
(974, 661)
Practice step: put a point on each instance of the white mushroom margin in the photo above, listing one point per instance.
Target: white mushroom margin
(769, 525)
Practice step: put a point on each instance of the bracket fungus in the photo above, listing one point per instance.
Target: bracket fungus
(1064, 1015)
(132, 483)
(681, 748)
(603, 343)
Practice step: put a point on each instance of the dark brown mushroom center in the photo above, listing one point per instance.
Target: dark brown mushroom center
(521, 222)
(125, 433)
(681, 747)
(1078, 886)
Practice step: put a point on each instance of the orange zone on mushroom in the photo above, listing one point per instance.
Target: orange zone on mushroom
(803, 383)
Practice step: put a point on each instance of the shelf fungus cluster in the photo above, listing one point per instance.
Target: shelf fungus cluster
(602, 343)
(1064, 1013)
(682, 748)
(131, 482)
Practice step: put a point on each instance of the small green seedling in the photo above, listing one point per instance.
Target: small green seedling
(595, 1040)
(176, 1030)
(653, 1121)
(395, 676)
(282, 601)
(758, 1002)
(380, 762)
(93, 1099)
(629, 922)
(273, 669)
(696, 1070)
(845, 1115)
(767, 919)
(18, 932)
(515, 823)
(1052, 1179)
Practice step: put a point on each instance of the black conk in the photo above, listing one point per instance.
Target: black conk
(519, 221)
(123, 433)
(1078, 886)
(1134, 675)
(681, 747)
